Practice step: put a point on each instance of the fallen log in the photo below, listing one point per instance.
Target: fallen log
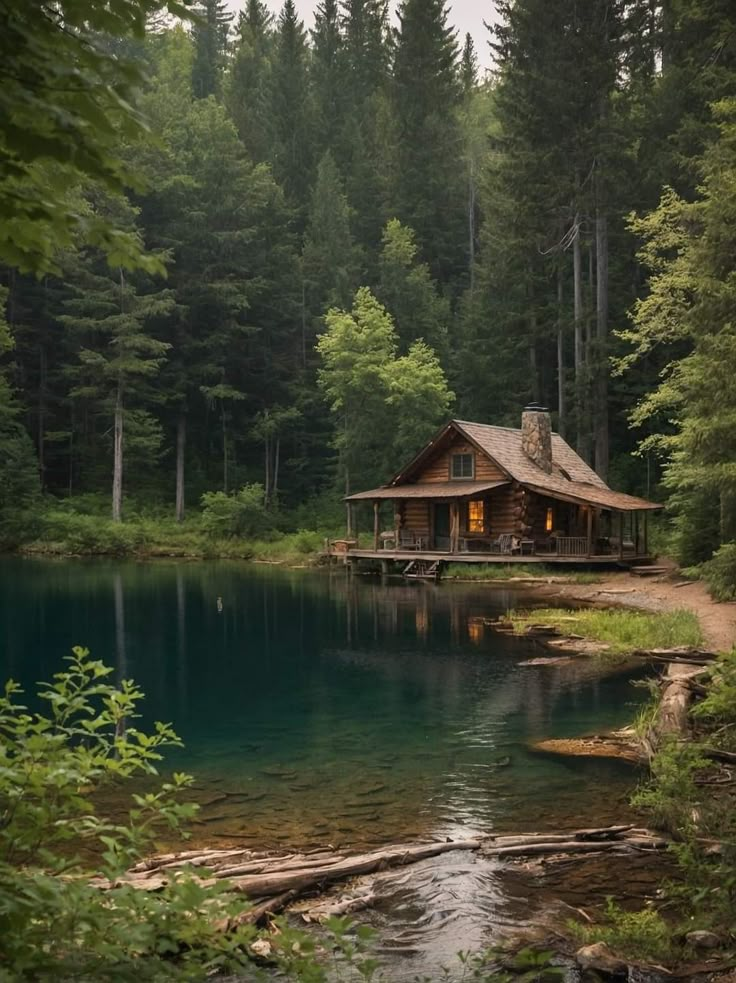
(681, 654)
(607, 838)
(267, 884)
(333, 909)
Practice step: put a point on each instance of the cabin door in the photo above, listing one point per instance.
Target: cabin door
(442, 526)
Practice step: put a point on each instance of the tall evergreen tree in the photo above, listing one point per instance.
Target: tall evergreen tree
(210, 33)
(248, 88)
(426, 93)
(117, 355)
(330, 258)
(327, 74)
(291, 119)
(19, 485)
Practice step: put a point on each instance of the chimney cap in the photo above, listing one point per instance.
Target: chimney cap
(535, 408)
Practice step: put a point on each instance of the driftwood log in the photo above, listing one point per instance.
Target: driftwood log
(272, 883)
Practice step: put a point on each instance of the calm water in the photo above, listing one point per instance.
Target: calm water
(317, 709)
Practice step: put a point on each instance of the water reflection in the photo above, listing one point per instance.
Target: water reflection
(320, 707)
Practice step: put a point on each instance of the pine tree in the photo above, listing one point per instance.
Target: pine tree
(691, 412)
(468, 67)
(248, 88)
(116, 355)
(429, 194)
(329, 82)
(330, 258)
(210, 33)
(291, 120)
(19, 485)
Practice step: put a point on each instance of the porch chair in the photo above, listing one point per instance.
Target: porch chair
(408, 540)
(506, 544)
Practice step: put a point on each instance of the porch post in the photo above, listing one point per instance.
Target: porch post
(376, 506)
(397, 523)
(590, 530)
(620, 535)
(454, 526)
(636, 533)
(349, 521)
(646, 534)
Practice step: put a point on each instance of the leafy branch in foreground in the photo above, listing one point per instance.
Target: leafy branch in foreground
(66, 107)
(56, 923)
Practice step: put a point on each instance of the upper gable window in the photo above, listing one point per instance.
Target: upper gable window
(462, 466)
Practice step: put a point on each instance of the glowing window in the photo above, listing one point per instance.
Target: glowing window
(549, 521)
(461, 466)
(476, 516)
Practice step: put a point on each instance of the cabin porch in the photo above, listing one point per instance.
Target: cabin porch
(496, 523)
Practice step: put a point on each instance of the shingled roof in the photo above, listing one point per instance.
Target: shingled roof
(572, 479)
(503, 444)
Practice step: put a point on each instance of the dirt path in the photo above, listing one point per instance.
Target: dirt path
(662, 593)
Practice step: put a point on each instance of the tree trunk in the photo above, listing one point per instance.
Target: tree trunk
(42, 414)
(471, 222)
(583, 423)
(117, 467)
(561, 408)
(267, 470)
(224, 447)
(277, 455)
(181, 437)
(601, 414)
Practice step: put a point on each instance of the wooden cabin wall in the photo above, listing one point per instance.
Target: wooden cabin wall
(501, 508)
(437, 468)
(415, 515)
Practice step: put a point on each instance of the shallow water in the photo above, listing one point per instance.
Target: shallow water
(320, 709)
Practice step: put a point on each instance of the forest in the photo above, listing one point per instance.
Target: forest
(243, 257)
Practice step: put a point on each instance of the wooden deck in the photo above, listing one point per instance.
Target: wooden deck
(404, 556)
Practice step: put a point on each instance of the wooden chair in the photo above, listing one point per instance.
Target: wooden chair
(506, 544)
(408, 540)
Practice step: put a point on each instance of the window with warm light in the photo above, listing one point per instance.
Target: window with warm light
(549, 522)
(476, 516)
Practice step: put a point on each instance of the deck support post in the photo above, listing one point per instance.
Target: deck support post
(376, 507)
(620, 535)
(590, 530)
(384, 568)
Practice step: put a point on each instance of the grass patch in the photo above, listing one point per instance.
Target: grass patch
(515, 571)
(621, 630)
(643, 935)
(63, 532)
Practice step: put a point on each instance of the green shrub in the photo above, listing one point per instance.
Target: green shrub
(306, 542)
(55, 922)
(631, 934)
(241, 514)
(719, 573)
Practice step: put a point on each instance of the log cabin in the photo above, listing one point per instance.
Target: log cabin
(482, 493)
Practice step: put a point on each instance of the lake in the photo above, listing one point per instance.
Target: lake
(317, 708)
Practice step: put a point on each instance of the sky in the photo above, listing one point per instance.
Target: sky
(465, 15)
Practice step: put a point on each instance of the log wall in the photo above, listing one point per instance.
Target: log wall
(415, 515)
(437, 468)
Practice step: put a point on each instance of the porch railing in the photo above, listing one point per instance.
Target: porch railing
(572, 546)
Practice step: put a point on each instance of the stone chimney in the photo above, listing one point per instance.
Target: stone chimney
(536, 436)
